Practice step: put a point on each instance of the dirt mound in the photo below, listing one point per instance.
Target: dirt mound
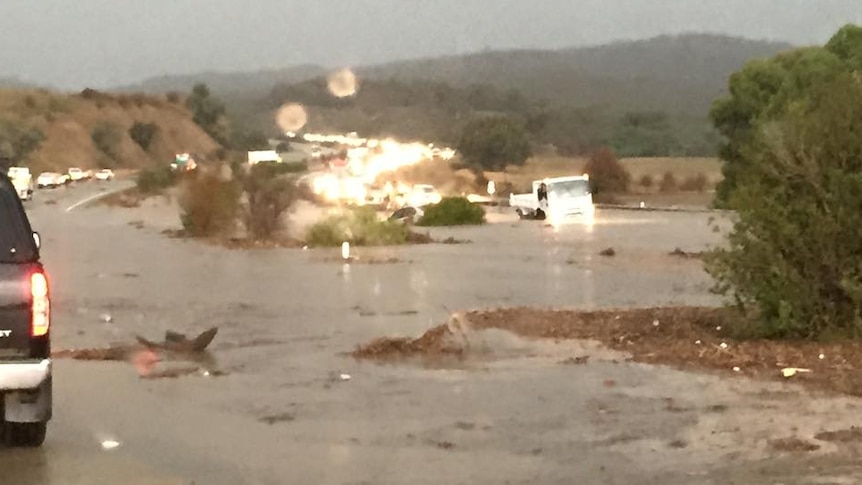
(434, 343)
(67, 123)
(695, 338)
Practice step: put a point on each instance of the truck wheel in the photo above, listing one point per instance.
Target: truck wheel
(27, 435)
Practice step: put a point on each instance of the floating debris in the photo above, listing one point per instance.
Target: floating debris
(789, 372)
(110, 444)
(608, 252)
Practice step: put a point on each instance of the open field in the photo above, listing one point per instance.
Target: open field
(541, 167)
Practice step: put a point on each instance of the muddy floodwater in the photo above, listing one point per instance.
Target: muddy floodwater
(280, 400)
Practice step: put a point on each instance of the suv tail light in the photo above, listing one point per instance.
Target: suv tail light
(40, 305)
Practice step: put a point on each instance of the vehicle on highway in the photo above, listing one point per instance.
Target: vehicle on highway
(76, 174)
(88, 174)
(49, 180)
(422, 195)
(105, 174)
(22, 179)
(566, 196)
(262, 156)
(25, 320)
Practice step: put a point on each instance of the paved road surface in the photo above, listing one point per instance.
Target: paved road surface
(282, 414)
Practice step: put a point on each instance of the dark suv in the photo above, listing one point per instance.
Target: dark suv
(25, 322)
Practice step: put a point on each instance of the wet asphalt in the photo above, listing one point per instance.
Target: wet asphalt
(292, 408)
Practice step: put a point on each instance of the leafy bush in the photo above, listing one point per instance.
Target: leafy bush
(154, 180)
(209, 204)
(173, 97)
(269, 197)
(694, 183)
(18, 141)
(792, 260)
(106, 137)
(646, 181)
(360, 227)
(143, 134)
(453, 211)
(668, 183)
(607, 174)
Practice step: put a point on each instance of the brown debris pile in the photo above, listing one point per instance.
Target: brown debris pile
(687, 254)
(793, 444)
(692, 338)
(435, 343)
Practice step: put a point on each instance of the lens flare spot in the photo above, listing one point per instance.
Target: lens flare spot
(291, 117)
(342, 83)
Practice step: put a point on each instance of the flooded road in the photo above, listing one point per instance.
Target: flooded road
(292, 408)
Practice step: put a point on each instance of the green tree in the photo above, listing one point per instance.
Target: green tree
(494, 142)
(793, 256)
(763, 91)
(143, 133)
(106, 137)
(208, 112)
(847, 45)
(644, 134)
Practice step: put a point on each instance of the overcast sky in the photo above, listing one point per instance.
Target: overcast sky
(99, 43)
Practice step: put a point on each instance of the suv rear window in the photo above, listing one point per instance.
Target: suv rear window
(16, 237)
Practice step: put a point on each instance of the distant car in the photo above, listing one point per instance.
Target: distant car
(88, 174)
(76, 174)
(407, 215)
(48, 180)
(105, 174)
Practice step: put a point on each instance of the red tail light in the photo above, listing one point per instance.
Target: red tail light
(40, 306)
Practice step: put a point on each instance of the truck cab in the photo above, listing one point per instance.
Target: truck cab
(25, 320)
(567, 196)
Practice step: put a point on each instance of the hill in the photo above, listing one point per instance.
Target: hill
(243, 84)
(677, 74)
(49, 130)
(645, 98)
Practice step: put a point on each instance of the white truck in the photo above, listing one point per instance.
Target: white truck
(258, 156)
(22, 180)
(567, 196)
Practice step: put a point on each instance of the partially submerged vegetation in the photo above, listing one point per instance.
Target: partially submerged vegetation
(453, 211)
(360, 227)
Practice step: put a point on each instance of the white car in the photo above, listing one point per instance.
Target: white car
(104, 174)
(48, 179)
(76, 174)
